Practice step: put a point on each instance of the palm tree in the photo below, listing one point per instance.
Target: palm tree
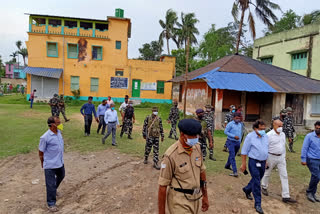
(189, 31)
(19, 44)
(310, 18)
(24, 53)
(14, 55)
(263, 9)
(168, 27)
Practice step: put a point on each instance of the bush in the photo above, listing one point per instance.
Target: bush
(68, 99)
(76, 94)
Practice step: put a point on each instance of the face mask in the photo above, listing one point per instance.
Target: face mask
(112, 108)
(237, 121)
(155, 113)
(104, 104)
(200, 116)
(262, 132)
(317, 131)
(192, 142)
(233, 111)
(279, 130)
(60, 127)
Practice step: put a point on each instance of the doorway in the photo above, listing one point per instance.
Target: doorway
(136, 88)
(296, 101)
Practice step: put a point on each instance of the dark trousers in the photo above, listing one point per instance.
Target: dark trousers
(233, 147)
(53, 179)
(314, 168)
(112, 128)
(87, 123)
(31, 103)
(55, 111)
(101, 124)
(254, 185)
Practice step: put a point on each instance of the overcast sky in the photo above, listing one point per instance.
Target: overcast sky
(144, 15)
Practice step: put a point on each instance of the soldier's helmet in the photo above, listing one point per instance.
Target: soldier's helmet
(55, 95)
(208, 106)
(283, 111)
(289, 109)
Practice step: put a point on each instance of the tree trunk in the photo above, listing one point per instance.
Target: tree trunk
(24, 60)
(186, 79)
(168, 46)
(240, 31)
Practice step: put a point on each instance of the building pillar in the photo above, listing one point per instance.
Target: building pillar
(78, 28)
(243, 103)
(30, 24)
(94, 29)
(47, 25)
(218, 108)
(278, 103)
(62, 26)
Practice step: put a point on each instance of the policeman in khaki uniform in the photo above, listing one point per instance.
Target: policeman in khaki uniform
(183, 171)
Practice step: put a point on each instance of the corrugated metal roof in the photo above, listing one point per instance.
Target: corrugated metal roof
(282, 80)
(235, 81)
(44, 72)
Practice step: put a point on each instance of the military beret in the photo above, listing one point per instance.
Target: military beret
(190, 127)
(154, 108)
(199, 110)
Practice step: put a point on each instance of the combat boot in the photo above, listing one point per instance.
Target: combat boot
(156, 166)
(170, 136)
(145, 160)
(291, 148)
(176, 138)
(211, 157)
(129, 137)
(121, 134)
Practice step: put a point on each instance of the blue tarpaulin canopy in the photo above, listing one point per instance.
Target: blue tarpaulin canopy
(235, 81)
(44, 72)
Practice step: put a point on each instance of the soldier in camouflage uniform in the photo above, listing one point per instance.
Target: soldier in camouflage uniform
(54, 104)
(128, 120)
(205, 133)
(152, 130)
(288, 128)
(209, 118)
(62, 108)
(228, 118)
(173, 119)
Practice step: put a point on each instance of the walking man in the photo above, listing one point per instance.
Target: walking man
(205, 132)
(51, 149)
(54, 104)
(110, 101)
(310, 156)
(152, 130)
(209, 118)
(112, 121)
(256, 148)
(173, 119)
(277, 158)
(101, 110)
(228, 118)
(123, 106)
(129, 119)
(288, 128)
(32, 97)
(87, 110)
(183, 170)
(62, 108)
(234, 133)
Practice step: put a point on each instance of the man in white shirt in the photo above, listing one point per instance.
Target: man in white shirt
(112, 121)
(277, 158)
(109, 101)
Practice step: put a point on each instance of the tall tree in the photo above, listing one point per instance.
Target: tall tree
(310, 18)
(150, 51)
(2, 70)
(24, 53)
(18, 44)
(168, 27)
(14, 55)
(263, 9)
(288, 21)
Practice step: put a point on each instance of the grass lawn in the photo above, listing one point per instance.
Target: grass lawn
(21, 128)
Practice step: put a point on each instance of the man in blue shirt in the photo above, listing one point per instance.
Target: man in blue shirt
(310, 156)
(51, 148)
(101, 110)
(256, 148)
(234, 133)
(86, 111)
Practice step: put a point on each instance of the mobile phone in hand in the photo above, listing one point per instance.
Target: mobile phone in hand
(245, 172)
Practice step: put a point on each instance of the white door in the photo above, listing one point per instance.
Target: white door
(46, 87)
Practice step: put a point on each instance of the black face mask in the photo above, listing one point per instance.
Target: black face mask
(200, 116)
(317, 131)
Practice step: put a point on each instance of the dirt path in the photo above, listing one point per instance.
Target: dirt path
(109, 182)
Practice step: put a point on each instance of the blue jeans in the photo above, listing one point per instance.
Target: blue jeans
(314, 168)
(31, 103)
(233, 147)
(53, 180)
(256, 176)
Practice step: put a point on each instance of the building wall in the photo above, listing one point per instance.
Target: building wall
(309, 118)
(281, 45)
(14, 82)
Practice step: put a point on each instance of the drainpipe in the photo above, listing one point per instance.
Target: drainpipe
(310, 56)
(63, 66)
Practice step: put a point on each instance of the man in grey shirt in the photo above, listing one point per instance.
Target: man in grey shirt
(51, 148)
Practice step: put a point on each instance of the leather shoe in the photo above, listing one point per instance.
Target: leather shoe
(310, 197)
(289, 200)
(248, 195)
(234, 175)
(316, 198)
(259, 210)
(264, 191)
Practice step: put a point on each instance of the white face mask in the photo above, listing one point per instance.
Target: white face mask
(192, 142)
(279, 130)
(155, 113)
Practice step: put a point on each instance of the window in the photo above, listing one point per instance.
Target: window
(96, 52)
(118, 45)
(38, 21)
(299, 61)
(55, 22)
(315, 104)
(73, 51)
(74, 83)
(101, 27)
(160, 87)
(267, 60)
(70, 24)
(119, 73)
(86, 25)
(52, 49)
(94, 84)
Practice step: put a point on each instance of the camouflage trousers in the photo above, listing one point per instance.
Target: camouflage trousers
(55, 111)
(288, 133)
(173, 130)
(152, 142)
(63, 112)
(211, 147)
(127, 127)
(203, 145)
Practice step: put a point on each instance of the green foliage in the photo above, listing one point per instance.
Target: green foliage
(288, 21)
(168, 27)
(76, 94)
(150, 51)
(311, 18)
(187, 29)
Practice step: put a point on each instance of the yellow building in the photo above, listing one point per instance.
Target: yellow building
(67, 54)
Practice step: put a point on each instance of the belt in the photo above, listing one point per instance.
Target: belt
(275, 154)
(112, 122)
(260, 161)
(187, 191)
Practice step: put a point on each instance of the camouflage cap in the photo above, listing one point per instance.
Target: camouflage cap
(55, 95)
(283, 111)
(155, 108)
(208, 106)
(289, 109)
(232, 106)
